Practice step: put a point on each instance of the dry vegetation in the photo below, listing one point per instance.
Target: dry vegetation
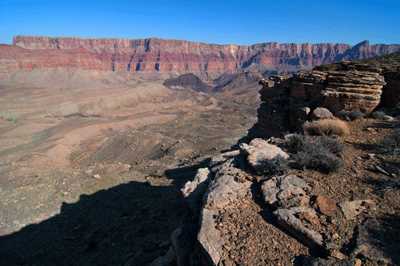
(327, 127)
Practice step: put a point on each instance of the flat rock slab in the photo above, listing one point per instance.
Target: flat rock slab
(222, 191)
(286, 191)
(351, 209)
(288, 220)
(193, 191)
(259, 151)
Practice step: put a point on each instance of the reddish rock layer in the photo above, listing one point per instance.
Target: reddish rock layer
(14, 57)
(182, 56)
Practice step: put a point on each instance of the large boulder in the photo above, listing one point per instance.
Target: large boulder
(321, 113)
(259, 152)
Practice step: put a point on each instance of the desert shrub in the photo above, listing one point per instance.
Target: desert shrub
(392, 141)
(321, 160)
(331, 144)
(302, 142)
(343, 114)
(350, 115)
(354, 115)
(320, 154)
(380, 115)
(296, 140)
(327, 127)
(396, 122)
(277, 165)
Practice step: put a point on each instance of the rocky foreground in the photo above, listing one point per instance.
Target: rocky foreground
(246, 217)
(243, 209)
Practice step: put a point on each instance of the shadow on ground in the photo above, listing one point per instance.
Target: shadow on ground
(129, 224)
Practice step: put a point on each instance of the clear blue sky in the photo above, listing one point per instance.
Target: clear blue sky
(242, 22)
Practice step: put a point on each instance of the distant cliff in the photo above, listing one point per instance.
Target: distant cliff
(205, 60)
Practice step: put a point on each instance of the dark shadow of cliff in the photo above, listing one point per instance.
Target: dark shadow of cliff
(128, 224)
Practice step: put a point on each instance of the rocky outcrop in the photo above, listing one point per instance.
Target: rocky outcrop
(339, 90)
(205, 60)
(356, 85)
(213, 232)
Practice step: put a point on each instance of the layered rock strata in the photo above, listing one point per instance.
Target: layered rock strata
(17, 58)
(205, 60)
(288, 102)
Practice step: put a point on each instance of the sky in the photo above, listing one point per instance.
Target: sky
(244, 22)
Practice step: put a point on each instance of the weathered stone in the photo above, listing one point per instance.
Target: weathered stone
(288, 220)
(326, 205)
(96, 176)
(309, 217)
(193, 191)
(202, 175)
(371, 235)
(286, 191)
(209, 245)
(221, 158)
(321, 113)
(216, 203)
(221, 191)
(334, 253)
(259, 151)
(351, 209)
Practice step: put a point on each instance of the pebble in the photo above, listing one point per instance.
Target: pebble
(227, 248)
(96, 176)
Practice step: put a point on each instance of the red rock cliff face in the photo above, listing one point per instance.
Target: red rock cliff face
(182, 56)
(14, 57)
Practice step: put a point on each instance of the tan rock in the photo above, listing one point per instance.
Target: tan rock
(259, 151)
(351, 209)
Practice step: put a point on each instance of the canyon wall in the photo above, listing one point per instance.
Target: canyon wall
(14, 57)
(206, 60)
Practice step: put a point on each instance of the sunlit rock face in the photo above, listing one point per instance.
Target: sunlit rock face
(177, 57)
